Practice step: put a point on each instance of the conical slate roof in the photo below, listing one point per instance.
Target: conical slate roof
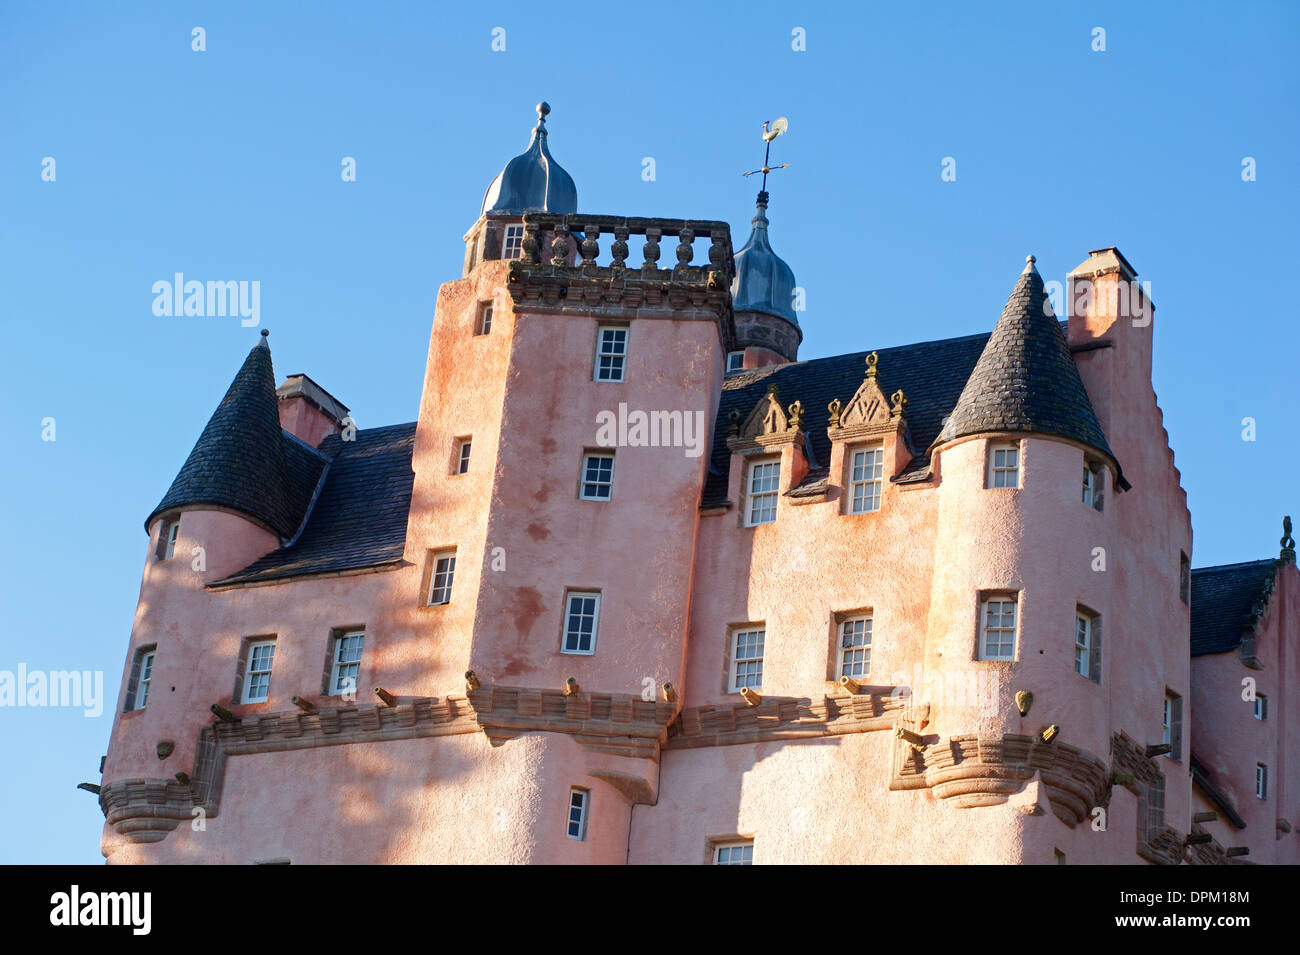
(763, 282)
(533, 181)
(239, 461)
(1025, 379)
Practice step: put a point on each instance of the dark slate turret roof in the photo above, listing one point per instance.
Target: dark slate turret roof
(1026, 379)
(763, 281)
(533, 181)
(359, 519)
(1223, 602)
(244, 461)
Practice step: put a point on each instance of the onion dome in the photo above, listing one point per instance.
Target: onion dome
(763, 282)
(533, 181)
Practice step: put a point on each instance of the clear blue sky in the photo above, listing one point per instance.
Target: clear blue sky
(225, 165)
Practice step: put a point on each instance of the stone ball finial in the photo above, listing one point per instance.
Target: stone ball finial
(265, 332)
(543, 109)
(1029, 263)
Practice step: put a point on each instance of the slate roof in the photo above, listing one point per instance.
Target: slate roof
(1223, 600)
(244, 461)
(1026, 379)
(359, 519)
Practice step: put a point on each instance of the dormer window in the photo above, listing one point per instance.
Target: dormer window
(167, 535)
(1004, 465)
(735, 362)
(866, 476)
(764, 480)
(512, 242)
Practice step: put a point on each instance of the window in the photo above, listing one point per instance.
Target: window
(1082, 643)
(444, 569)
(735, 362)
(611, 353)
(257, 679)
(137, 686)
(1091, 492)
(1261, 781)
(865, 472)
(747, 659)
(577, 828)
(1261, 706)
(764, 479)
(998, 629)
(346, 667)
(512, 243)
(1058, 856)
(1184, 579)
(581, 613)
(484, 324)
(734, 853)
(1004, 465)
(462, 455)
(167, 535)
(1172, 724)
(597, 476)
(855, 647)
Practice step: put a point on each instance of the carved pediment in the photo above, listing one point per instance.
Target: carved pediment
(768, 424)
(768, 417)
(868, 411)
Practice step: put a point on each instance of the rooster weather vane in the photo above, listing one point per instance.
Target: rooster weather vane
(771, 130)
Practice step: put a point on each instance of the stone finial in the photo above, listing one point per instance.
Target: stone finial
(734, 418)
(900, 405)
(772, 388)
(796, 415)
(543, 110)
(871, 364)
(834, 408)
(1288, 542)
(1029, 264)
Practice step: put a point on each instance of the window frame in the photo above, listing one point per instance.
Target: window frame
(149, 653)
(464, 449)
(250, 658)
(751, 495)
(1082, 662)
(732, 845)
(734, 659)
(435, 558)
(991, 470)
(877, 481)
(1171, 724)
(512, 230)
(336, 664)
(168, 535)
(739, 367)
(602, 454)
(1259, 708)
(620, 356)
(583, 806)
(842, 651)
(483, 318)
(565, 631)
(982, 628)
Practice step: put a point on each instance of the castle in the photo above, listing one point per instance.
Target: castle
(639, 586)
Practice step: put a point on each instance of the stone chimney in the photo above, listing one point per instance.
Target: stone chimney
(308, 411)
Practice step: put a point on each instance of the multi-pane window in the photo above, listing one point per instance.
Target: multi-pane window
(734, 853)
(998, 629)
(1261, 706)
(1261, 781)
(1172, 724)
(855, 647)
(1082, 643)
(866, 470)
(463, 447)
(347, 662)
(581, 613)
(747, 659)
(577, 824)
(257, 679)
(735, 362)
(444, 570)
(143, 680)
(597, 476)
(611, 352)
(512, 243)
(167, 535)
(484, 324)
(764, 479)
(1004, 465)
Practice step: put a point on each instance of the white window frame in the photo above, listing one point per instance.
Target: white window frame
(869, 481)
(579, 802)
(733, 847)
(338, 665)
(483, 321)
(735, 362)
(512, 241)
(734, 681)
(1167, 721)
(584, 483)
(998, 472)
(440, 591)
(464, 448)
(753, 497)
(847, 662)
(142, 681)
(1082, 644)
(1260, 708)
(168, 534)
(1089, 485)
(249, 673)
(569, 616)
(615, 350)
(1261, 781)
(985, 629)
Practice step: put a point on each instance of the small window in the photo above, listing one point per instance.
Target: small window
(1261, 706)
(998, 629)
(167, 535)
(484, 324)
(1261, 781)
(1082, 643)
(855, 647)
(747, 659)
(462, 455)
(1184, 579)
(1004, 465)
(1172, 724)
(597, 476)
(137, 690)
(346, 668)
(1092, 486)
(444, 570)
(578, 800)
(764, 480)
(611, 353)
(1058, 856)
(581, 615)
(866, 471)
(512, 243)
(734, 853)
(257, 679)
(735, 362)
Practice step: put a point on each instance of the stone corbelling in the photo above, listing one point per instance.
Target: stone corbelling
(1158, 844)
(784, 718)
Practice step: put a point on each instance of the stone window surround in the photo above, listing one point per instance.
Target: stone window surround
(133, 681)
(838, 617)
(241, 669)
(1094, 642)
(431, 557)
(570, 592)
(729, 651)
(984, 597)
(331, 651)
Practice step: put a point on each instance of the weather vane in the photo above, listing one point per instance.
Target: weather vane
(771, 130)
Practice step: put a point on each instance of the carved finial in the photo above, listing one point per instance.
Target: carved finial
(900, 405)
(543, 108)
(1029, 264)
(834, 408)
(1288, 542)
(871, 364)
(262, 342)
(733, 421)
(796, 415)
